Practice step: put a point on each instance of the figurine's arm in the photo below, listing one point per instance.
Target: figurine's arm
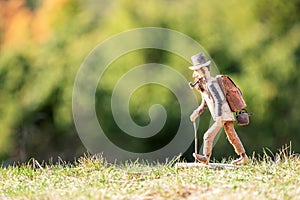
(198, 111)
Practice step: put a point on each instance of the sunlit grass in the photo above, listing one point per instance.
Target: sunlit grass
(91, 177)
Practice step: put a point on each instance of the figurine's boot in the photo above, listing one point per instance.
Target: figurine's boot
(201, 159)
(241, 161)
(236, 143)
(208, 139)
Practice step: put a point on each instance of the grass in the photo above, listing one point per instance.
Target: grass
(93, 178)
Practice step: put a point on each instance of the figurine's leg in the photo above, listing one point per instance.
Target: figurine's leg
(236, 142)
(208, 140)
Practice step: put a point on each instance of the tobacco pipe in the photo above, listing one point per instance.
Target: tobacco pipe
(192, 85)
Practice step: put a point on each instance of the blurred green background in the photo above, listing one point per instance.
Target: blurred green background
(43, 43)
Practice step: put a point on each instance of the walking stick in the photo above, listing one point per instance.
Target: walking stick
(196, 138)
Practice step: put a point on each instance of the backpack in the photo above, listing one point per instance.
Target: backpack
(234, 98)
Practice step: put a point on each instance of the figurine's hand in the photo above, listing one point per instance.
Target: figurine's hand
(219, 120)
(194, 115)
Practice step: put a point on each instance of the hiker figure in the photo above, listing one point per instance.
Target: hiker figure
(214, 98)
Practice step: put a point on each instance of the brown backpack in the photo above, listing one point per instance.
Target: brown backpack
(232, 93)
(234, 98)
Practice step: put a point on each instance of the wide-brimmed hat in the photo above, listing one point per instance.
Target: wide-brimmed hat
(199, 61)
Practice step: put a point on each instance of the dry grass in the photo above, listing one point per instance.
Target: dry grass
(92, 178)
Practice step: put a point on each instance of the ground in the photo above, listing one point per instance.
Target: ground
(91, 177)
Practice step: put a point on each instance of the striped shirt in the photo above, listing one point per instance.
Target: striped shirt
(216, 101)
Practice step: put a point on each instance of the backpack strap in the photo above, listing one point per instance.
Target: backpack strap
(220, 81)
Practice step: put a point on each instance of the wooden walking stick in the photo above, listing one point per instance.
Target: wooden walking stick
(196, 138)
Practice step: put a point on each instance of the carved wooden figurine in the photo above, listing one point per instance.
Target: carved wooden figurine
(213, 97)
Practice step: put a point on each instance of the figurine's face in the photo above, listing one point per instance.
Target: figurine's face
(198, 74)
(202, 72)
